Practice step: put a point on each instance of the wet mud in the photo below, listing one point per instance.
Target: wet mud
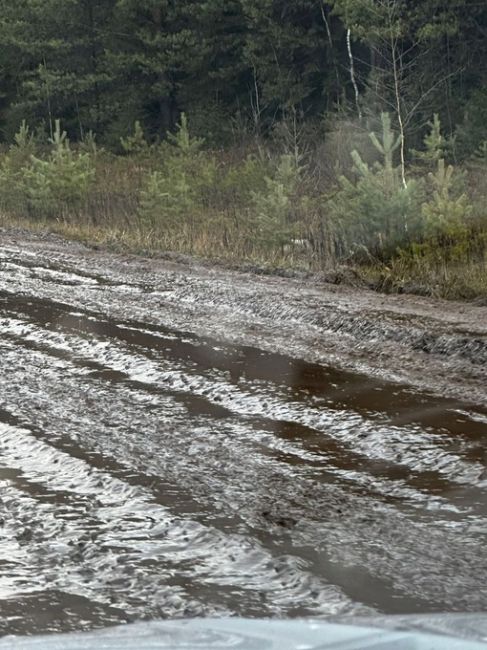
(178, 441)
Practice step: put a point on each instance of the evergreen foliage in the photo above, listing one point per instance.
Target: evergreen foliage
(275, 206)
(446, 215)
(102, 65)
(373, 210)
(225, 127)
(178, 191)
(52, 185)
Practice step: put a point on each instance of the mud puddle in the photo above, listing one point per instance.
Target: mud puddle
(151, 471)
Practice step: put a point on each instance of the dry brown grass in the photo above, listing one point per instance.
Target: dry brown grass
(221, 226)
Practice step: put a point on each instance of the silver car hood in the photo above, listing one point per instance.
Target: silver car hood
(447, 632)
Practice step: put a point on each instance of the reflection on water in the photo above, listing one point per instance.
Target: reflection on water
(149, 473)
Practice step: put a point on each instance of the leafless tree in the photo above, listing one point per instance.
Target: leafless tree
(395, 56)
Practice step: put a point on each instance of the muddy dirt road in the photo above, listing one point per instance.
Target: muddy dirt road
(184, 441)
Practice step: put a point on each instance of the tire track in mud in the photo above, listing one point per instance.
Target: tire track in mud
(111, 532)
(248, 565)
(308, 321)
(193, 477)
(302, 454)
(43, 337)
(268, 405)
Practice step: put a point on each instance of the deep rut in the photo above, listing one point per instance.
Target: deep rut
(150, 471)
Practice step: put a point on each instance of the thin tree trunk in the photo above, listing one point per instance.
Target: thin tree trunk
(48, 99)
(397, 92)
(94, 64)
(332, 51)
(352, 74)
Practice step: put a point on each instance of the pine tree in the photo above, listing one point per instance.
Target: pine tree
(58, 47)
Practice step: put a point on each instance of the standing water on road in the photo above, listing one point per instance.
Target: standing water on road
(148, 472)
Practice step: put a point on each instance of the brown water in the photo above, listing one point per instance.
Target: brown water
(146, 472)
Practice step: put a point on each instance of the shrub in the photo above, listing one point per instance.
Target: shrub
(374, 212)
(436, 146)
(445, 215)
(45, 187)
(13, 190)
(446, 228)
(136, 143)
(180, 189)
(274, 207)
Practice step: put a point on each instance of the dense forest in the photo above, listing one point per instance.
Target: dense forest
(236, 128)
